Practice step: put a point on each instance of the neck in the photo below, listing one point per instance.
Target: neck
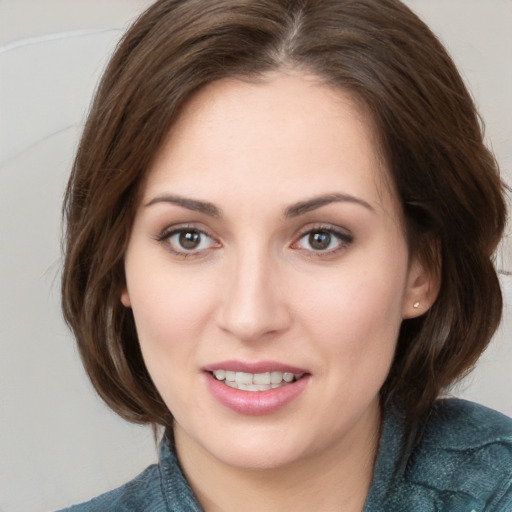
(336, 479)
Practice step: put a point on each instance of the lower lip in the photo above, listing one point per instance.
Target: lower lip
(256, 402)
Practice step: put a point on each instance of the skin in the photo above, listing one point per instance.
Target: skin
(256, 289)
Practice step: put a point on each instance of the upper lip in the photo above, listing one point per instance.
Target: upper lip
(254, 367)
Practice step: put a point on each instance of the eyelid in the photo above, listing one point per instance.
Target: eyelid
(168, 232)
(345, 239)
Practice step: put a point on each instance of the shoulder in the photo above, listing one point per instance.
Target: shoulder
(161, 487)
(461, 425)
(466, 455)
(143, 493)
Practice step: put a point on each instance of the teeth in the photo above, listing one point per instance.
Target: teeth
(255, 381)
(276, 377)
(220, 374)
(261, 378)
(243, 378)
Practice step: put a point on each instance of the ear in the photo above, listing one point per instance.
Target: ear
(125, 298)
(423, 286)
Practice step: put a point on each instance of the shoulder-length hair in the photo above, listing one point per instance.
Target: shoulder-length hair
(428, 133)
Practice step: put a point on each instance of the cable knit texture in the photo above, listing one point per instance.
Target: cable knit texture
(463, 463)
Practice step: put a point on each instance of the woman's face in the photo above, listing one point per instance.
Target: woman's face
(268, 247)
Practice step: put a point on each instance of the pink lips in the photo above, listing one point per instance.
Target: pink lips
(255, 402)
(259, 367)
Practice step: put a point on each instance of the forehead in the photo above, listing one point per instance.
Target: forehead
(287, 133)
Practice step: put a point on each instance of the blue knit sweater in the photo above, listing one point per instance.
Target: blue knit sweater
(463, 463)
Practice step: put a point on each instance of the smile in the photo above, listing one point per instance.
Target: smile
(255, 381)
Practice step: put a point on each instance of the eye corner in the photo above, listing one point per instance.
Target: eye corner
(186, 241)
(323, 241)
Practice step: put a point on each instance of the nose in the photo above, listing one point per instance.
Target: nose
(254, 305)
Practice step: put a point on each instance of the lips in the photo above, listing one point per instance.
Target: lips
(255, 388)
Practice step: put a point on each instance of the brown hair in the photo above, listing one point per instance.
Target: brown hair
(429, 134)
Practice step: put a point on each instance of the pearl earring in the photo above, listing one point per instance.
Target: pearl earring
(416, 305)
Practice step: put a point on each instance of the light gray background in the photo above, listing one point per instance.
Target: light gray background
(58, 443)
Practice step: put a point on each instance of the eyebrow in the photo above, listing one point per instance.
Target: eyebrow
(190, 204)
(293, 210)
(317, 202)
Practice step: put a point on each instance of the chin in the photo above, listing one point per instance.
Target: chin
(259, 457)
(249, 448)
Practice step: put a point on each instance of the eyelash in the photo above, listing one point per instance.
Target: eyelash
(166, 236)
(343, 241)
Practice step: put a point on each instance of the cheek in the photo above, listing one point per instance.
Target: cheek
(170, 326)
(357, 317)
(355, 301)
(170, 313)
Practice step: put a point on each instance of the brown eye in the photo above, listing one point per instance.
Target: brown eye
(189, 240)
(323, 241)
(320, 240)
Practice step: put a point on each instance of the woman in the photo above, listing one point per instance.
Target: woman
(280, 229)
